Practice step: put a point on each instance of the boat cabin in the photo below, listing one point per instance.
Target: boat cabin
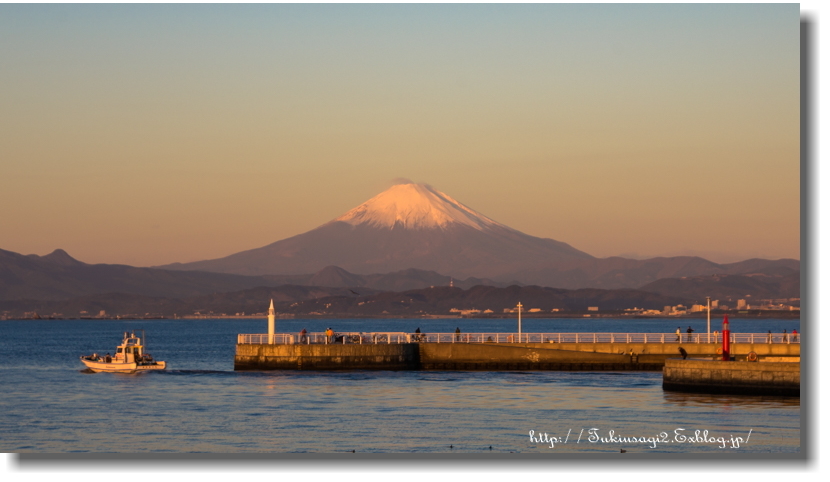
(131, 350)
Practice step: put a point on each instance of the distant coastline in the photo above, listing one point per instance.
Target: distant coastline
(757, 314)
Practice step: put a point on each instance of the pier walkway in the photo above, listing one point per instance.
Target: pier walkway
(498, 351)
(361, 338)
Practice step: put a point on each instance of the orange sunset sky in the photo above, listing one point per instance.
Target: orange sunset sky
(151, 134)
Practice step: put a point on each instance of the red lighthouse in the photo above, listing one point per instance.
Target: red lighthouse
(725, 356)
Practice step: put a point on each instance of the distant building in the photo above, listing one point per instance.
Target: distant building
(697, 308)
(534, 310)
(593, 308)
(742, 305)
(465, 312)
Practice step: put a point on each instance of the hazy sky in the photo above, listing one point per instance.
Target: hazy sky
(148, 134)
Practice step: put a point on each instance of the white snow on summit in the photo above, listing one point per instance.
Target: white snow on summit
(415, 206)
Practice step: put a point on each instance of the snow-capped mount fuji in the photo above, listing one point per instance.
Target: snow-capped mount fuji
(415, 206)
(407, 226)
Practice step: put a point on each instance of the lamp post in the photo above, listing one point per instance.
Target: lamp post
(519, 306)
(708, 320)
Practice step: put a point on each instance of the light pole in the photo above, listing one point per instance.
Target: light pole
(708, 320)
(519, 306)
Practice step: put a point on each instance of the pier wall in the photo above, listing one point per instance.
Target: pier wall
(326, 357)
(741, 377)
(487, 356)
(515, 356)
(658, 352)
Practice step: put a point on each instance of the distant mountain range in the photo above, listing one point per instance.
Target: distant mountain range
(409, 237)
(616, 272)
(57, 283)
(336, 302)
(249, 301)
(440, 300)
(58, 276)
(753, 287)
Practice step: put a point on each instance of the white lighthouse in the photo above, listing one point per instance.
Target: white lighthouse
(271, 317)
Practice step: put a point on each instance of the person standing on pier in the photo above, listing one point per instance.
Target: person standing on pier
(329, 335)
(784, 339)
(689, 330)
(795, 335)
(457, 334)
(303, 336)
(678, 334)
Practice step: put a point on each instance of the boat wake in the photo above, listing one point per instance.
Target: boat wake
(196, 372)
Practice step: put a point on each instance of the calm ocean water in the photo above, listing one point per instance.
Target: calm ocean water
(50, 403)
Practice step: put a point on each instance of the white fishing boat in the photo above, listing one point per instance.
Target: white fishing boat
(129, 358)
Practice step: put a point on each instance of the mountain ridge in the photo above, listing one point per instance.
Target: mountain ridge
(342, 302)
(58, 276)
(417, 226)
(407, 226)
(62, 277)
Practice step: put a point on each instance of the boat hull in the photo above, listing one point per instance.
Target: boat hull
(111, 367)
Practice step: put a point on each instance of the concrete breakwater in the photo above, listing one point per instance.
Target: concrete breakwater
(402, 356)
(473, 356)
(428, 356)
(485, 356)
(737, 377)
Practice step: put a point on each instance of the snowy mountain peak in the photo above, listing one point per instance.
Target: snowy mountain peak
(415, 206)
